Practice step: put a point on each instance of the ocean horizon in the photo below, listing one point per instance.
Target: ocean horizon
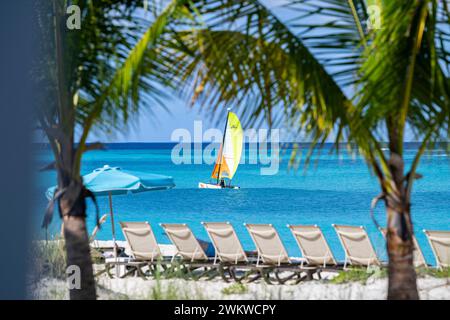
(334, 189)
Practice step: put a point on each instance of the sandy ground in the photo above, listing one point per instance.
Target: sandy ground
(138, 288)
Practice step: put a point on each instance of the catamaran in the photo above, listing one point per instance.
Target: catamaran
(229, 155)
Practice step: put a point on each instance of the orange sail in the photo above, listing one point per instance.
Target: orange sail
(221, 166)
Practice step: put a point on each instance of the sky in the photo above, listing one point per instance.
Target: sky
(160, 126)
(147, 128)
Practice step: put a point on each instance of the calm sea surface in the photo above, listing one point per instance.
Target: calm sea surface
(335, 189)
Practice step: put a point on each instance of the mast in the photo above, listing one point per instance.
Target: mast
(223, 144)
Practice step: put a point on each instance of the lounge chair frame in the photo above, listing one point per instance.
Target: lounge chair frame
(348, 257)
(229, 267)
(431, 239)
(284, 262)
(189, 261)
(308, 260)
(157, 264)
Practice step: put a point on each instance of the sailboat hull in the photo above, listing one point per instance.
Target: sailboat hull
(203, 185)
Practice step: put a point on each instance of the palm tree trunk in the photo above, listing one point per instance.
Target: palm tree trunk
(400, 247)
(73, 208)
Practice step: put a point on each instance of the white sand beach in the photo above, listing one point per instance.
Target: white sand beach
(133, 287)
(138, 288)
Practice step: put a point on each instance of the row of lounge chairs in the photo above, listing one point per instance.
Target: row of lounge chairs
(270, 261)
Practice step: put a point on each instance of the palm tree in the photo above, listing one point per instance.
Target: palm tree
(323, 70)
(94, 78)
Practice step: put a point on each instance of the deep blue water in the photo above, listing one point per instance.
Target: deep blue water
(334, 189)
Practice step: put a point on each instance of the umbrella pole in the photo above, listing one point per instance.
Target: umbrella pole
(113, 231)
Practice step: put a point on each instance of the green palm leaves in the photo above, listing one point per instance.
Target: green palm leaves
(245, 56)
(321, 71)
(138, 73)
(106, 71)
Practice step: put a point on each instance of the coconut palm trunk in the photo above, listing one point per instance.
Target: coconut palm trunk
(72, 204)
(84, 91)
(73, 209)
(400, 245)
(402, 276)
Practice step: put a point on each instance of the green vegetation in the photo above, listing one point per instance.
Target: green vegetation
(437, 273)
(97, 257)
(176, 270)
(49, 259)
(358, 275)
(57, 293)
(362, 275)
(174, 291)
(236, 288)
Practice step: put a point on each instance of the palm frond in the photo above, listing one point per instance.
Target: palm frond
(335, 32)
(137, 72)
(403, 80)
(245, 56)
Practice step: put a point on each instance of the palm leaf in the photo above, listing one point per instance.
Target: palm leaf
(247, 58)
(140, 68)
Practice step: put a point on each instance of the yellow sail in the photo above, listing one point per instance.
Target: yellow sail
(230, 152)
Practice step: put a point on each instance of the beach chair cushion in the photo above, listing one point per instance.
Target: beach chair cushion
(141, 240)
(184, 240)
(357, 245)
(268, 243)
(313, 245)
(226, 243)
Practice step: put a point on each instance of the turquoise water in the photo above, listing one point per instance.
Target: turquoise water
(335, 189)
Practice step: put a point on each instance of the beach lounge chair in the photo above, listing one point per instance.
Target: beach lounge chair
(419, 259)
(227, 246)
(230, 253)
(143, 247)
(357, 246)
(271, 252)
(440, 244)
(101, 221)
(313, 245)
(191, 254)
(141, 241)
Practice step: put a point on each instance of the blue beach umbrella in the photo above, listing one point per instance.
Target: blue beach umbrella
(109, 181)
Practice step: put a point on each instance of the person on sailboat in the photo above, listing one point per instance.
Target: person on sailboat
(222, 183)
